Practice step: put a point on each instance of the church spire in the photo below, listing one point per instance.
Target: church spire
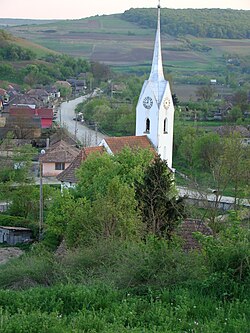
(156, 74)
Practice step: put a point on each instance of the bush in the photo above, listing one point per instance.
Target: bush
(133, 265)
(228, 260)
(28, 271)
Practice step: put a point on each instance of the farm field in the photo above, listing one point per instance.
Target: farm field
(128, 47)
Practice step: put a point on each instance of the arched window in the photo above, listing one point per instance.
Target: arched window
(147, 125)
(165, 126)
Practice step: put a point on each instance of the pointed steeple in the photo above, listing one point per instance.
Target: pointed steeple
(156, 74)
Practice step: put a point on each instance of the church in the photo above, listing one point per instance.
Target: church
(154, 119)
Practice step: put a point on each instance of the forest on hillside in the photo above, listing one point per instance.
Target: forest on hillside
(210, 23)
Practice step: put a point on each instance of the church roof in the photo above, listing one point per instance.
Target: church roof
(116, 144)
(156, 74)
(156, 79)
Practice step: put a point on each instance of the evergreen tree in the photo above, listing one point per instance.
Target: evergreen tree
(157, 197)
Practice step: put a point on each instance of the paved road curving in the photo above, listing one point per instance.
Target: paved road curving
(87, 136)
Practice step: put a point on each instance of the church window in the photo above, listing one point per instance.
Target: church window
(147, 125)
(165, 126)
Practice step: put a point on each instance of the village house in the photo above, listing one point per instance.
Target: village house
(24, 100)
(57, 158)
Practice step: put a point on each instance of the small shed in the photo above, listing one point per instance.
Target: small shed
(14, 235)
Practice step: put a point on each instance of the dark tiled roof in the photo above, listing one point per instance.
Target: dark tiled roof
(17, 122)
(116, 144)
(68, 175)
(60, 152)
(38, 92)
(227, 130)
(186, 230)
(21, 111)
(61, 134)
(26, 100)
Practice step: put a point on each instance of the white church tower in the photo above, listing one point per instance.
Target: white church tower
(155, 109)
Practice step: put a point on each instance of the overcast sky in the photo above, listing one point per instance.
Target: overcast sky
(68, 9)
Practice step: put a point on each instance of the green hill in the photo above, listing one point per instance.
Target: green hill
(15, 48)
(208, 23)
(26, 63)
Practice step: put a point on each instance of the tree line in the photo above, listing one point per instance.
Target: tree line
(210, 23)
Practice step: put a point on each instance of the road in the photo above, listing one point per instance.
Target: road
(84, 134)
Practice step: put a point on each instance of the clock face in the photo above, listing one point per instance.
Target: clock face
(166, 103)
(148, 102)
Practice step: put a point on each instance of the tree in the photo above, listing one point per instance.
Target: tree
(205, 92)
(205, 149)
(116, 213)
(100, 71)
(157, 197)
(104, 204)
(235, 114)
(96, 173)
(231, 167)
(240, 100)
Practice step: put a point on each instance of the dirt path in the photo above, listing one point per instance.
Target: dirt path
(8, 253)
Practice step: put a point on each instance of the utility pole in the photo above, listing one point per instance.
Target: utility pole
(96, 133)
(60, 116)
(75, 125)
(41, 196)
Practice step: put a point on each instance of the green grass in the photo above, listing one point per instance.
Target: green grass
(72, 308)
(146, 286)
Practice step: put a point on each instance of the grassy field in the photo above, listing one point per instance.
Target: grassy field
(112, 40)
(103, 309)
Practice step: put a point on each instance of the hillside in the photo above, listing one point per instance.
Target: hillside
(127, 45)
(26, 63)
(4, 22)
(208, 23)
(10, 44)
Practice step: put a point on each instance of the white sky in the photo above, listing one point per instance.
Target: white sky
(68, 9)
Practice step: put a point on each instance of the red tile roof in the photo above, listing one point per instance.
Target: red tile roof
(68, 175)
(45, 113)
(27, 111)
(116, 144)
